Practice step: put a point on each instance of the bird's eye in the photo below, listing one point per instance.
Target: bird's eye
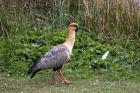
(75, 26)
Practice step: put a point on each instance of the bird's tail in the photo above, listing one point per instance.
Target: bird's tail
(33, 69)
(33, 73)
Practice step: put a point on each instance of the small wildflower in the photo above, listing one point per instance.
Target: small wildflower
(8, 75)
(65, 14)
(5, 85)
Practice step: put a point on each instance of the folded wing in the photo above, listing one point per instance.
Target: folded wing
(55, 58)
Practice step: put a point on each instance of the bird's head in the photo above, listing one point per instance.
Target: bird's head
(73, 27)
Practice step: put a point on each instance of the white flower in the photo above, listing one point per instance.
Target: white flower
(66, 14)
(5, 85)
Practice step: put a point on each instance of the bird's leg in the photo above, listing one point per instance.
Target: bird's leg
(54, 77)
(62, 77)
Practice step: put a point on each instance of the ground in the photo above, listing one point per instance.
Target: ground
(92, 85)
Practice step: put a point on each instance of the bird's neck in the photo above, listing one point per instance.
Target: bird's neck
(70, 39)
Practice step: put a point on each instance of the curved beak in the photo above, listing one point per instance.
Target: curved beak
(76, 29)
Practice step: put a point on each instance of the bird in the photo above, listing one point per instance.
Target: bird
(56, 57)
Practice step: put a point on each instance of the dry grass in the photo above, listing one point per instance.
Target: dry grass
(94, 85)
(116, 19)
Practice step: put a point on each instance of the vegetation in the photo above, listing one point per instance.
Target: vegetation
(29, 29)
(92, 85)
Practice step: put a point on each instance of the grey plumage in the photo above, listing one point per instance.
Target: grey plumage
(55, 58)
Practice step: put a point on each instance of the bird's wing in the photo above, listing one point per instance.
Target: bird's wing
(57, 50)
(54, 58)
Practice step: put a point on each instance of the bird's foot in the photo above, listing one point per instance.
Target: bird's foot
(66, 82)
(54, 83)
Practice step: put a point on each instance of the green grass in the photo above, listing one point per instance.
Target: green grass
(95, 84)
